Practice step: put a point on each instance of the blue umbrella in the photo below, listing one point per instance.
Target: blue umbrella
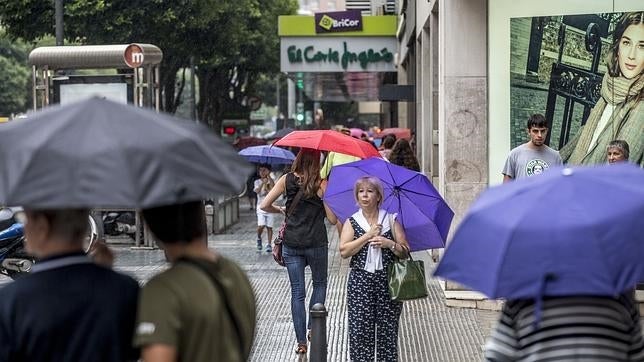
(570, 231)
(422, 212)
(271, 155)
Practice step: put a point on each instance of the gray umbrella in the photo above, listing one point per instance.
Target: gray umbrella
(97, 153)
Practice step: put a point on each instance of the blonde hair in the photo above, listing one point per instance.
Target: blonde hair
(370, 181)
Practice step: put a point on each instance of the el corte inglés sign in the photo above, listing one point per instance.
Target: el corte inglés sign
(314, 54)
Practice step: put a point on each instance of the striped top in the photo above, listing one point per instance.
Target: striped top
(570, 329)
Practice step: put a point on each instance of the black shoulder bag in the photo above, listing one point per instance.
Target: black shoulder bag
(279, 239)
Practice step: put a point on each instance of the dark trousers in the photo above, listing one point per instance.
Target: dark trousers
(373, 317)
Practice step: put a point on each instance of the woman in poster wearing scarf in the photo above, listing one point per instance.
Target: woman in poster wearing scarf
(619, 112)
(368, 239)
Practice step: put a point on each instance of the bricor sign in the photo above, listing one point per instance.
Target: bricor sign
(337, 54)
(336, 21)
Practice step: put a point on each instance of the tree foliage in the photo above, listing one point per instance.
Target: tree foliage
(231, 42)
(14, 77)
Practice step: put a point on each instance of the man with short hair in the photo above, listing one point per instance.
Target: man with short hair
(68, 308)
(532, 157)
(203, 307)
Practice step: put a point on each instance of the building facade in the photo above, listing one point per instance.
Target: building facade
(479, 69)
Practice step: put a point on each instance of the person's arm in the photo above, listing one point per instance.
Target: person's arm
(400, 246)
(257, 186)
(276, 191)
(509, 168)
(349, 246)
(502, 346)
(159, 353)
(329, 213)
(636, 346)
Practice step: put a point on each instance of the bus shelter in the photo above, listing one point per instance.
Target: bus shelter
(126, 73)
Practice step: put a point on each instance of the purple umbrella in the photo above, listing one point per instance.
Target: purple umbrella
(271, 155)
(422, 212)
(567, 232)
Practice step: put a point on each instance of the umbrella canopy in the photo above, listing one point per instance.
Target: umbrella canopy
(267, 154)
(282, 132)
(567, 232)
(357, 132)
(97, 153)
(422, 212)
(327, 140)
(248, 141)
(404, 133)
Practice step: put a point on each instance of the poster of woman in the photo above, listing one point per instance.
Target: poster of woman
(586, 73)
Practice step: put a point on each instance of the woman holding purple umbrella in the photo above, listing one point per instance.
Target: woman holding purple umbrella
(367, 237)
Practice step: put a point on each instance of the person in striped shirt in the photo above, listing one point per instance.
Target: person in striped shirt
(576, 328)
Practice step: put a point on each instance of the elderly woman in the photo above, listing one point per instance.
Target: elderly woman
(617, 151)
(367, 237)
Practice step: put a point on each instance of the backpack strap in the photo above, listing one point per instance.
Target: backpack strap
(224, 298)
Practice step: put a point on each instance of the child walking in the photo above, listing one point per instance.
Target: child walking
(265, 220)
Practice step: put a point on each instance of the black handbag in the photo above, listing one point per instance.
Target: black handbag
(406, 277)
(279, 239)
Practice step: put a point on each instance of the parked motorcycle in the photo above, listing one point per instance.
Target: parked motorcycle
(14, 260)
(117, 223)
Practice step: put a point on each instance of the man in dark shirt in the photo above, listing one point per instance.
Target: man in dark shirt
(68, 308)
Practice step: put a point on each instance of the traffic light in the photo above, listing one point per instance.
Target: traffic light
(229, 130)
(299, 112)
(299, 82)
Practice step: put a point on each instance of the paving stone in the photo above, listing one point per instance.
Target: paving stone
(429, 330)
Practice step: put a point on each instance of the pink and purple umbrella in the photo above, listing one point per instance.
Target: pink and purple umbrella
(422, 212)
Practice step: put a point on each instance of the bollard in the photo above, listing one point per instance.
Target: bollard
(318, 333)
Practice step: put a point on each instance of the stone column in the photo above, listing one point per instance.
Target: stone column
(463, 124)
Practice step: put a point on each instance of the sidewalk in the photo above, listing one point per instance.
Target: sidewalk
(430, 331)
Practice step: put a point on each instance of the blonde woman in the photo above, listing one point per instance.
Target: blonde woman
(367, 238)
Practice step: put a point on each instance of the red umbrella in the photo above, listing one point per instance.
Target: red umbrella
(327, 140)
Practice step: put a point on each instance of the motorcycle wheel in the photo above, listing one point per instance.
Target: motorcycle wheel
(95, 230)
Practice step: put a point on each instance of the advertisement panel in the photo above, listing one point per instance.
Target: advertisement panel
(580, 63)
(585, 74)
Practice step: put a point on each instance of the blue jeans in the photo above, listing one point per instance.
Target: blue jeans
(296, 261)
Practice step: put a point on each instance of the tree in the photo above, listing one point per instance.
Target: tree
(231, 42)
(14, 77)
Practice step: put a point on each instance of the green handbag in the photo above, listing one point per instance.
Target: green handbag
(406, 278)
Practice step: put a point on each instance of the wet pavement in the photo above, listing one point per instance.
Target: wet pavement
(430, 331)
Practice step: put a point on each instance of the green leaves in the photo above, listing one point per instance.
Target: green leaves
(228, 37)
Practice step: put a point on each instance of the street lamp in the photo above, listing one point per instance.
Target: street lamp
(58, 18)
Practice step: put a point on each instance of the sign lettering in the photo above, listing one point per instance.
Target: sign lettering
(337, 21)
(364, 58)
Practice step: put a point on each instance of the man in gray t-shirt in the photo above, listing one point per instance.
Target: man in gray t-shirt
(532, 157)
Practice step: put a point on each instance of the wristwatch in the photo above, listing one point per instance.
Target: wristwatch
(393, 246)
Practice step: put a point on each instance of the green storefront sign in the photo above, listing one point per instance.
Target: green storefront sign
(346, 58)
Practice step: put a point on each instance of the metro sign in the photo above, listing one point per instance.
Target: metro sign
(133, 56)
